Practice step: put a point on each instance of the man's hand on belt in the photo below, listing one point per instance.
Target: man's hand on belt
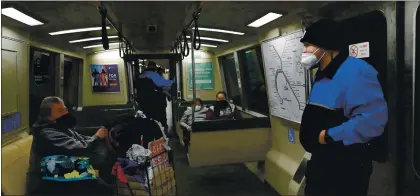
(102, 133)
(321, 138)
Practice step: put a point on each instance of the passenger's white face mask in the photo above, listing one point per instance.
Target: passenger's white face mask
(309, 60)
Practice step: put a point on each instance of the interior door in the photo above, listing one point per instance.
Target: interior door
(371, 27)
(171, 108)
(11, 118)
(416, 128)
(369, 30)
(9, 79)
(71, 82)
(41, 80)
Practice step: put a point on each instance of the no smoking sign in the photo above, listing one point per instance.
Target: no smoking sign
(360, 50)
(354, 50)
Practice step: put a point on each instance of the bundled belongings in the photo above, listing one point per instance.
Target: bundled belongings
(163, 184)
(128, 129)
(146, 172)
(143, 155)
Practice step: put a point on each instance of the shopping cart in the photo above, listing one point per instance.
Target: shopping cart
(155, 177)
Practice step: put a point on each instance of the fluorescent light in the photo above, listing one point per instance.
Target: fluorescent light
(77, 30)
(211, 39)
(19, 16)
(91, 39)
(265, 19)
(219, 30)
(206, 45)
(106, 51)
(99, 45)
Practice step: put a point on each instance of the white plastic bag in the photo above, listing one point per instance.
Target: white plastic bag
(138, 153)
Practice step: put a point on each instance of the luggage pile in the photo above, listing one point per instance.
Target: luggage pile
(153, 177)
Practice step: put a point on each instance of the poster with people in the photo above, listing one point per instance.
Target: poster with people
(105, 78)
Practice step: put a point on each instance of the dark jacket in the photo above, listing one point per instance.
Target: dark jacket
(151, 99)
(50, 139)
(223, 113)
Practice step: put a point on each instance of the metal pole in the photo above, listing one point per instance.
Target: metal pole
(130, 77)
(193, 75)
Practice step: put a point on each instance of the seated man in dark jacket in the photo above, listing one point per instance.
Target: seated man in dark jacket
(62, 161)
(223, 110)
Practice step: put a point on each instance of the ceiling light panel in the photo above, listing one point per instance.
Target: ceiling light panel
(102, 51)
(265, 19)
(99, 45)
(212, 39)
(19, 16)
(206, 45)
(91, 39)
(219, 31)
(77, 30)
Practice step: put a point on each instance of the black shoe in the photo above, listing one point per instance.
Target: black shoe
(107, 183)
(107, 178)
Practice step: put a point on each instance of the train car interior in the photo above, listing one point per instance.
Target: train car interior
(101, 57)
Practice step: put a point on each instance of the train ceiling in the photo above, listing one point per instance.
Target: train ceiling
(169, 17)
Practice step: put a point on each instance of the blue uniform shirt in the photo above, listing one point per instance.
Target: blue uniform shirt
(157, 79)
(350, 85)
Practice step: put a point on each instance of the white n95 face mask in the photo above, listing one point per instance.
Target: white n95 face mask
(309, 60)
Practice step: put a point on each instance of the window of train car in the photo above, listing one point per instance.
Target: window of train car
(230, 74)
(255, 93)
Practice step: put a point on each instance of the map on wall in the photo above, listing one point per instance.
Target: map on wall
(285, 76)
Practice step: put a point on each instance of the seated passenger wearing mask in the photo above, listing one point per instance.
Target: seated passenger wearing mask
(223, 109)
(186, 120)
(62, 161)
(345, 112)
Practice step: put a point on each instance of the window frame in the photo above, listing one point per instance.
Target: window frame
(221, 60)
(243, 78)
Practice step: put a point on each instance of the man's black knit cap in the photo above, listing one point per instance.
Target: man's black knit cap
(325, 34)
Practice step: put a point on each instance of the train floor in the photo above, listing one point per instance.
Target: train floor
(225, 180)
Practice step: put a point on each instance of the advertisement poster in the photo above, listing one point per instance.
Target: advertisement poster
(105, 78)
(203, 76)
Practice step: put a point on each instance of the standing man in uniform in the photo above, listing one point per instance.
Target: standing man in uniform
(346, 109)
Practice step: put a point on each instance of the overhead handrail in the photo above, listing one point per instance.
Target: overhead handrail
(196, 33)
(123, 40)
(181, 48)
(105, 41)
(181, 42)
(186, 50)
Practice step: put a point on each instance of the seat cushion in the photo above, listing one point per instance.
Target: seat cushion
(15, 163)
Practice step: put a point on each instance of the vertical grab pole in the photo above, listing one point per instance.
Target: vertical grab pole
(193, 75)
(130, 77)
